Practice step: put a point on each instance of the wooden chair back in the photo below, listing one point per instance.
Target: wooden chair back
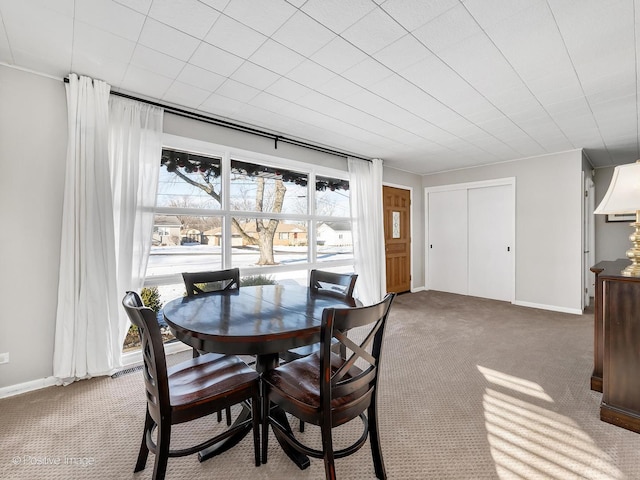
(360, 383)
(339, 285)
(212, 281)
(155, 365)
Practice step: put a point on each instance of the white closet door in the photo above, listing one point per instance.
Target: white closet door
(447, 247)
(491, 253)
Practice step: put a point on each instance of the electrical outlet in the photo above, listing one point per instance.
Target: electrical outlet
(4, 358)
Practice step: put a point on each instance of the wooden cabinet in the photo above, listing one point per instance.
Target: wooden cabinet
(618, 345)
(608, 267)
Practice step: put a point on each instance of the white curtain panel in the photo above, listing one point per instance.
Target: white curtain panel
(85, 339)
(135, 148)
(365, 184)
(113, 159)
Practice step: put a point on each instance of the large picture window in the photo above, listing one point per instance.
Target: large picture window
(275, 219)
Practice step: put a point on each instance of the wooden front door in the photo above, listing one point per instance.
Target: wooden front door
(397, 238)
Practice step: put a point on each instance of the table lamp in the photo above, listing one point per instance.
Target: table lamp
(623, 196)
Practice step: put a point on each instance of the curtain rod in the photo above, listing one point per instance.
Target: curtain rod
(236, 126)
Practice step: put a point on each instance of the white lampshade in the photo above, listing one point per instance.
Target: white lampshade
(623, 195)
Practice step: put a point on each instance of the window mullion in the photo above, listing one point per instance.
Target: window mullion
(226, 219)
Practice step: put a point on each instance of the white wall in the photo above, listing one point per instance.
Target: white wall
(33, 140)
(548, 225)
(612, 238)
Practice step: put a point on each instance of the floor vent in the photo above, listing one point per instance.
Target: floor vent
(126, 371)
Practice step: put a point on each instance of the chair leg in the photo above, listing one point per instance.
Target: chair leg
(255, 420)
(265, 423)
(228, 412)
(144, 449)
(327, 448)
(162, 452)
(196, 353)
(374, 440)
(301, 426)
(219, 415)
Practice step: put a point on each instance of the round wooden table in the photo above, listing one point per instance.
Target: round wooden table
(262, 320)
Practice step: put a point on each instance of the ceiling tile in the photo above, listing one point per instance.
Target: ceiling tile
(100, 54)
(277, 58)
(374, 31)
(201, 78)
(39, 38)
(237, 91)
(412, 14)
(186, 95)
(215, 60)
(479, 62)
(402, 53)
(110, 16)
(287, 89)
(219, 5)
(140, 6)
(157, 62)
(339, 88)
(440, 81)
(189, 16)
(367, 72)
(168, 40)
(254, 75)
(338, 15)
(254, 14)
(338, 55)
(303, 34)
(490, 12)
(234, 37)
(221, 106)
(145, 83)
(447, 30)
(273, 103)
(310, 74)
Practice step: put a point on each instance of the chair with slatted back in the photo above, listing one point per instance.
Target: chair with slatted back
(185, 392)
(338, 285)
(212, 281)
(328, 390)
(197, 283)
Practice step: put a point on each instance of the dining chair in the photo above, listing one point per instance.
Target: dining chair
(321, 282)
(197, 283)
(211, 281)
(328, 390)
(185, 392)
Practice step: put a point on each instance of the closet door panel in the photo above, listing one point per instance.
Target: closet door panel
(447, 241)
(490, 235)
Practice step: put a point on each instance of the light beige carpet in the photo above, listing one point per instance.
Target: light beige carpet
(471, 389)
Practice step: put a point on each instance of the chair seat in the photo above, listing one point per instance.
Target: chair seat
(207, 376)
(299, 381)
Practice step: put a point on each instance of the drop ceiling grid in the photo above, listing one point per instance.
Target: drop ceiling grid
(484, 78)
(592, 56)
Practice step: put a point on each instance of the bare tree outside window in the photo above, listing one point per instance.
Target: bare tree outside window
(254, 188)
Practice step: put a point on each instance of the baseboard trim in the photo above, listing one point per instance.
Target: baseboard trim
(128, 359)
(553, 308)
(26, 387)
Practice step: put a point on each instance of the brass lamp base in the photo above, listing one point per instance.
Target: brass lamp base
(633, 253)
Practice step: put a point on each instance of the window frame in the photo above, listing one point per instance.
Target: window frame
(226, 154)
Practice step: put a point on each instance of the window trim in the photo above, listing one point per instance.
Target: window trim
(226, 154)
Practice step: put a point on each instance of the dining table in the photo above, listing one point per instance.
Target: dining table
(262, 321)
